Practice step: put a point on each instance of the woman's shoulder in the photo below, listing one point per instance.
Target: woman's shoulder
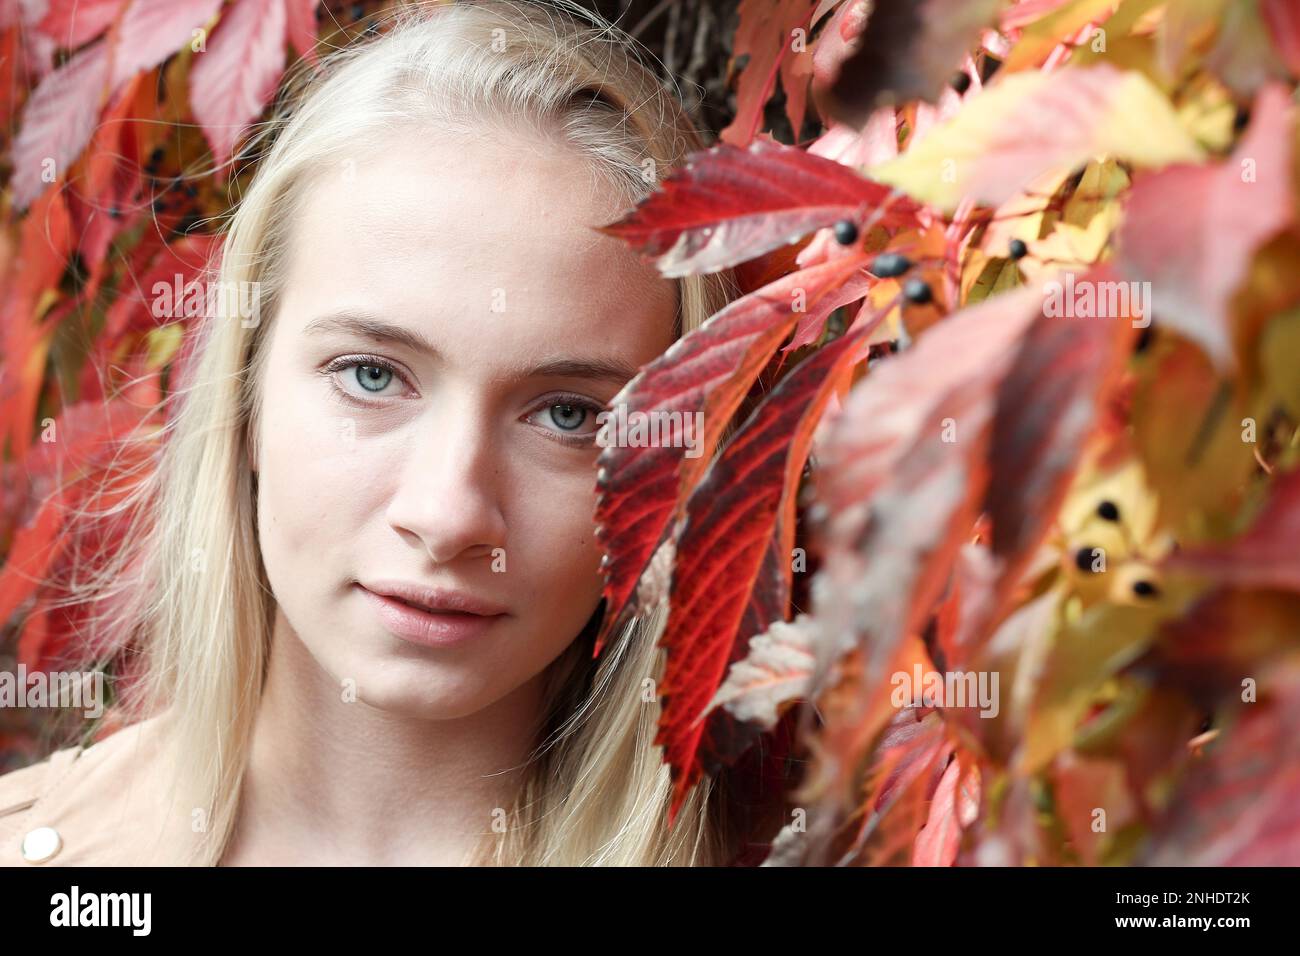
(102, 804)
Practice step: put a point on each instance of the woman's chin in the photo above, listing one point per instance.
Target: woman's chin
(419, 690)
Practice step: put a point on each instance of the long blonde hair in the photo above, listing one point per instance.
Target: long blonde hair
(189, 590)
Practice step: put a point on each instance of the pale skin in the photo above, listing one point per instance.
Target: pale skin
(486, 250)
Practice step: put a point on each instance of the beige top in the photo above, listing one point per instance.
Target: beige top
(101, 805)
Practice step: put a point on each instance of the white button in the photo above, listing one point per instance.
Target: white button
(41, 844)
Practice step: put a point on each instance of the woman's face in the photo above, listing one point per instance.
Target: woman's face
(449, 328)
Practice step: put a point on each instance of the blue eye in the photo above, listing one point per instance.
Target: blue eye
(561, 417)
(370, 372)
(570, 417)
(373, 378)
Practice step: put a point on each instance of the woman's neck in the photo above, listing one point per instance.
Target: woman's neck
(337, 782)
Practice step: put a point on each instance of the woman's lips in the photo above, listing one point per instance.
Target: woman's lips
(442, 629)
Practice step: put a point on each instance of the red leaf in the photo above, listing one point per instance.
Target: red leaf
(731, 520)
(300, 17)
(45, 245)
(775, 671)
(903, 473)
(764, 36)
(1283, 20)
(34, 547)
(1049, 404)
(58, 121)
(905, 769)
(72, 23)
(60, 630)
(911, 744)
(954, 807)
(24, 333)
(1226, 633)
(1240, 805)
(877, 594)
(102, 201)
(838, 40)
(152, 30)
(179, 264)
(232, 82)
(811, 326)
(85, 461)
(727, 205)
(909, 49)
(1191, 231)
(1266, 556)
(641, 489)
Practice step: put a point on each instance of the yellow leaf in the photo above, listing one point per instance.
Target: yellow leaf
(162, 344)
(1028, 124)
(997, 275)
(1279, 354)
(1039, 38)
(1101, 183)
(1083, 657)
(1070, 248)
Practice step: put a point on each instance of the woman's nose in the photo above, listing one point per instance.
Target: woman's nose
(447, 498)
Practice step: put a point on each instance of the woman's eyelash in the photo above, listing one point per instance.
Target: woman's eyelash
(353, 361)
(575, 401)
(346, 362)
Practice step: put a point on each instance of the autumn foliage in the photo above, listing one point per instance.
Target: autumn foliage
(1012, 392)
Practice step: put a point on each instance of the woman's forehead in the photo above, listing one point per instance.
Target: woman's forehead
(498, 234)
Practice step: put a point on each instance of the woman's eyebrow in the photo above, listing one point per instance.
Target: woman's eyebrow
(612, 370)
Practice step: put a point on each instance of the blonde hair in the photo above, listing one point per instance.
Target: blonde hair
(190, 592)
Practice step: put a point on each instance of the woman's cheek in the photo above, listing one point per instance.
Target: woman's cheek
(576, 528)
(310, 454)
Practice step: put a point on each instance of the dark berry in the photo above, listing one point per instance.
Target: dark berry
(1018, 249)
(960, 81)
(887, 265)
(880, 350)
(846, 233)
(114, 212)
(1145, 589)
(1084, 557)
(1144, 339)
(157, 155)
(917, 291)
(1108, 510)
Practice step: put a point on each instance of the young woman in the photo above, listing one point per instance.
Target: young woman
(366, 581)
